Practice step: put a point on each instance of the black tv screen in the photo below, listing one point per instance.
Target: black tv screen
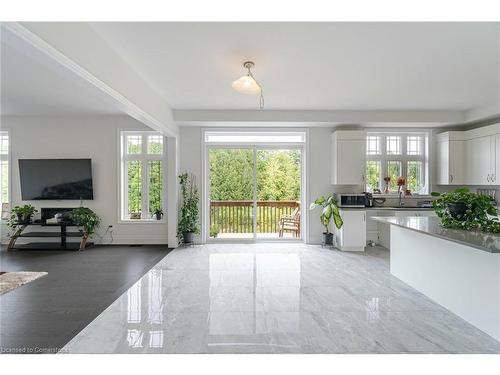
(56, 179)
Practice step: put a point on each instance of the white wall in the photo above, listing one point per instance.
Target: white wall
(94, 137)
(318, 167)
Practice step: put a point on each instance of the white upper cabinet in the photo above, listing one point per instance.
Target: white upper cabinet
(469, 157)
(450, 159)
(348, 157)
(479, 161)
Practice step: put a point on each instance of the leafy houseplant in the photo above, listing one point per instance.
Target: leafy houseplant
(329, 210)
(214, 231)
(86, 219)
(158, 213)
(189, 220)
(462, 209)
(20, 215)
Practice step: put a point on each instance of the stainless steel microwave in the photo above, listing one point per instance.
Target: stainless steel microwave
(351, 200)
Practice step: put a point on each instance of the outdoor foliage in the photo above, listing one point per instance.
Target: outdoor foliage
(476, 216)
(231, 174)
(155, 177)
(189, 220)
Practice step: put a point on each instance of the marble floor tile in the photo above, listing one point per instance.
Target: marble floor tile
(276, 298)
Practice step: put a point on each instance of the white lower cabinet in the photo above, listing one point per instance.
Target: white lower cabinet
(383, 234)
(352, 235)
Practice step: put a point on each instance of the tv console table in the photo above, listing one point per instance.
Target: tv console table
(63, 234)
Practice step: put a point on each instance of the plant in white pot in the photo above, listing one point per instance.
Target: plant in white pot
(189, 218)
(329, 210)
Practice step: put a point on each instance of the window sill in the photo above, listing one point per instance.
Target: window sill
(141, 221)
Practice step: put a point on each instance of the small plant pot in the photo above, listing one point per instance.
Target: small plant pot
(158, 216)
(457, 210)
(23, 219)
(328, 239)
(188, 237)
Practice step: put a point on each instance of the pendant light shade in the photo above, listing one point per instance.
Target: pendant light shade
(247, 84)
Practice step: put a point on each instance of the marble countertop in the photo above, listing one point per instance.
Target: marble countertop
(432, 226)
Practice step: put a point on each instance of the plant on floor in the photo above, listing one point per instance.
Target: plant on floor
(86, 219)
(21, 215)
(329, 210)
(214, 231)
(189, 220)
(462, 209)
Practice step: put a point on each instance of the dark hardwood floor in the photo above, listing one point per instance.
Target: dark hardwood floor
(45, 314)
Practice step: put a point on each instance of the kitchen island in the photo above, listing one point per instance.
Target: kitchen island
(458, 269)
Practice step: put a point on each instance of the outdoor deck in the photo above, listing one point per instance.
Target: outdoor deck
(234, 219)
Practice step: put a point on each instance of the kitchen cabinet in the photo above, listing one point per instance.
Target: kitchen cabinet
(348, 157)
(480, 161)
(470, 157)
(450, 159)
(352, 235)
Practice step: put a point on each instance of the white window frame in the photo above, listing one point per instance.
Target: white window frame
(384, 158)
(144, 158)
(7, 158)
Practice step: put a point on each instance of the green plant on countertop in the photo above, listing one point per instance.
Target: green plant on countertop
(475, 217)
(329, 210)
(86, 218)
(21, 215)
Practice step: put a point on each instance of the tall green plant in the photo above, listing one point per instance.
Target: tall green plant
(86, 218)
(189, 220)
(329, 210)
(476, 215)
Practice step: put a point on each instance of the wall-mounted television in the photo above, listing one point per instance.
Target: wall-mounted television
(55, 179)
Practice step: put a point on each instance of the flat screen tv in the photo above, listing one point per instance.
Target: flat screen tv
(46, 179)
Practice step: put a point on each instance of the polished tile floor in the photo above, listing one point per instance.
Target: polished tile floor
(276, 298)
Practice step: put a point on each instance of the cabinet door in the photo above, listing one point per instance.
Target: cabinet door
(443, 163)
(354, 229)
(350, 162)
(456, 173)
(496, 159)
(478, 161)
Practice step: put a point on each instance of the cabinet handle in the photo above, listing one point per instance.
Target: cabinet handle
(488, 178)
(451, 178)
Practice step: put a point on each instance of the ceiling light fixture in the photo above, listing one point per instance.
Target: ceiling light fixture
(247, 84)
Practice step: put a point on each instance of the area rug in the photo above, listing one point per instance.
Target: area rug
(12, 280)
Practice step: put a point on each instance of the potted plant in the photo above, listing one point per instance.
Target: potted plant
(329, 210)
(214, 231)
(462, 209)
(21, 215)
(189, 215)
(86, 219)
(158, 213)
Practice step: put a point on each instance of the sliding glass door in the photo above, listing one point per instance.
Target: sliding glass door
(231, 193)
(254, 192)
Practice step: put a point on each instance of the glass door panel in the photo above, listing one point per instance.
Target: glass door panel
(231, 193)
(278, 193)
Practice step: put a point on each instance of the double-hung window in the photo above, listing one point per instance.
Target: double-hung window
(142, 175)
(393, 155)
(4, 172)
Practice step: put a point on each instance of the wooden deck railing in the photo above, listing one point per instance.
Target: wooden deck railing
(237, 216)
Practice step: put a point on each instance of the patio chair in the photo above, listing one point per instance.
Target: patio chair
(290, 223)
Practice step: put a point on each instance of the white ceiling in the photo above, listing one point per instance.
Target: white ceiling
(328, 66)
(33, 85)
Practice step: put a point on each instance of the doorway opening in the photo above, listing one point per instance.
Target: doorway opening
(254, 192)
